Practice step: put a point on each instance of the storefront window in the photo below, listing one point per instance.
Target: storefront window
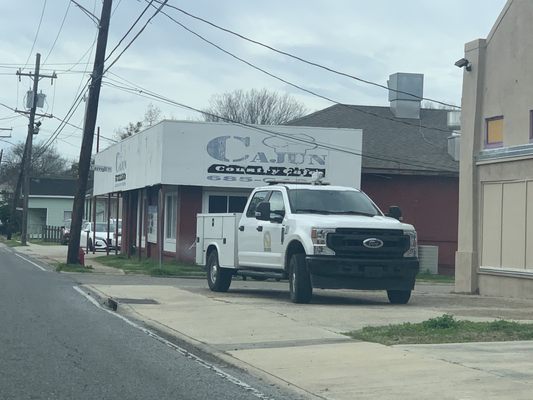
(171, 215)
(225, 204)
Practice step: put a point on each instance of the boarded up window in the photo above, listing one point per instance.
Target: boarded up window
(494, 132)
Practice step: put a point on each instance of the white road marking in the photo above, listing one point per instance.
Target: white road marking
(181, 350)
(31, 262)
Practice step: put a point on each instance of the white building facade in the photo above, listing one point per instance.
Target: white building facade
(176, 169)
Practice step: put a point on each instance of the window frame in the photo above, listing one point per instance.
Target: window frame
(530, 126)
(486, 141)
(171, 216)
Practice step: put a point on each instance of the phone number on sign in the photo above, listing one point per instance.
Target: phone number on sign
(233, 178)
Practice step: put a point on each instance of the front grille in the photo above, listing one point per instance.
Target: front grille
(349, 242)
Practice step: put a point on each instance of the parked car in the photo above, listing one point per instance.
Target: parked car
(100, 236)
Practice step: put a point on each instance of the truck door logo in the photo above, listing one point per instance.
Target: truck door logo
(373, 243)
(267, 242)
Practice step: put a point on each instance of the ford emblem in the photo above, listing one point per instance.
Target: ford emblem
(373, 243)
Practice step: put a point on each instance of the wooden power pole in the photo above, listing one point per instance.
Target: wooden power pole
(88, 134)
(27, 160)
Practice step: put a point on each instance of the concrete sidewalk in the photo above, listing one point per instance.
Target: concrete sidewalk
(254, 326)
(58, 254)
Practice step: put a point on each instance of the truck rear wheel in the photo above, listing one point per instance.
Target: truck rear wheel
(218, 279)
(300, 286)
(399, 296)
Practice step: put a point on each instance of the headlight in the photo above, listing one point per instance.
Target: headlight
(413, 244)
(319, 238)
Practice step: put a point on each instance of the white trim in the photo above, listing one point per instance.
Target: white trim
(508, 272)
(36, 196)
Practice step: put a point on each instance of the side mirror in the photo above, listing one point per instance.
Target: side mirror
(277, 216)
(395, 212)
(262, 211)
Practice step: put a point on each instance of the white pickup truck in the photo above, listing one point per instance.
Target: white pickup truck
(317, 236)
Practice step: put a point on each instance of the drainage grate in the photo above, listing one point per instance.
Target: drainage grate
(136, 301)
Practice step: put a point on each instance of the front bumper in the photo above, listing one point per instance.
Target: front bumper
(367, 274)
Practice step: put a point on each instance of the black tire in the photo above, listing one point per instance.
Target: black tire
(399, 296)
(301, 289)
(218, 279)
(259, 278)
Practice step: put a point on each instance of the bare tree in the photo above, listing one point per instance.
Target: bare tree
(46, 163)
(152, 115)
(260, 107)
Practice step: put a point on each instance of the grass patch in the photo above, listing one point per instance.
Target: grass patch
(61, 267)
(445, 329)
(15, 242)
(427, 277)
(151, 267)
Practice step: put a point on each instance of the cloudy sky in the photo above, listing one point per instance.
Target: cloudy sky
(369, 39)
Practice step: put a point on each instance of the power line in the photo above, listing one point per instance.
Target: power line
(87, 12)
(58, 32)
(301, 59)
(158, 10)
(36, 34)
(250, 64)
(78, 99)
(149, 94)
(129, 30)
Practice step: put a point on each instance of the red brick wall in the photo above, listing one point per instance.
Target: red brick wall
(429, 203)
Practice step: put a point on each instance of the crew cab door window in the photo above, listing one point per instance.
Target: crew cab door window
(258, 198)
(277, 206)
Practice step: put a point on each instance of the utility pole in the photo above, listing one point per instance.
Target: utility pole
(27, 161)
(32, 130)
(88, 134)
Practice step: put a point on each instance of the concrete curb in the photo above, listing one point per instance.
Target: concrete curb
(127, 311)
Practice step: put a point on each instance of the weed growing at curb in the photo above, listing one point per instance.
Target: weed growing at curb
(445, 329)
(62, 267)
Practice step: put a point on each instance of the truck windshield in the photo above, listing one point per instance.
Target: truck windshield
(348, 202)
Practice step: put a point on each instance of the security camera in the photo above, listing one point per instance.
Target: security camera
(464, 63)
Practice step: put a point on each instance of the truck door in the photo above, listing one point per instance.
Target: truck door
(272, 239)
(250, 234)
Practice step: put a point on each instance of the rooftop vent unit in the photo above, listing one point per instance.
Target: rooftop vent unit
(405, 94)
(454, 120)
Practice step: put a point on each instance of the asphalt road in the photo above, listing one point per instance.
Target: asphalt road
(56, 344)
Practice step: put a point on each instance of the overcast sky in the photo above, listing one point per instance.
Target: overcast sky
(367, 38)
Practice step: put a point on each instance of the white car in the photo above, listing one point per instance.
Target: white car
(100, 236)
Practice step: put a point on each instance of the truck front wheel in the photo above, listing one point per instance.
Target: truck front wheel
(300, 286)
(399, 296)
(218, 279)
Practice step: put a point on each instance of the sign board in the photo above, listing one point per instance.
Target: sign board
(152, 224)
(228, 155)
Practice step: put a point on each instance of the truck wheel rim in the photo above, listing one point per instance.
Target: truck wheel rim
(213, 272)
(293, 280)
